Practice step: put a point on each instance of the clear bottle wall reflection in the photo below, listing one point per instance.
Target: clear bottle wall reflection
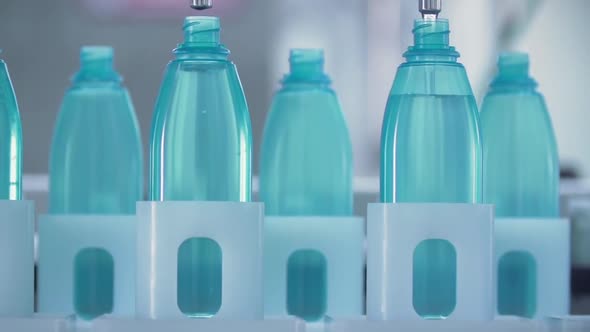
(201, 149)
(521, 170)
(306, 168)
(96, 160)
(521, 173)
(10, 139)
(431, 151)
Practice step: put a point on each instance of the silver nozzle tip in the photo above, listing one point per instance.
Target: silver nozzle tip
(201, 4)
(430, 8)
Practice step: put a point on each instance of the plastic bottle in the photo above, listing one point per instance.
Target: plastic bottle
(521, 170)
(521, 164)
(431, 151)
(95, 167)
(10, 140)
(306, 164)
(201, 149)
(201, 133)
(96, 155)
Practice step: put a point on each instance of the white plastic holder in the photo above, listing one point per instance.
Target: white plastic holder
(236, 228)
(108, 324)
(568, 324)
(63, 237)
(16, 257)
(38, 323)
(394, 230)
(548, 241)
(340, 240)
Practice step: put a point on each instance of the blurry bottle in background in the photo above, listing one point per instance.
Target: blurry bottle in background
(306, 168)
(201, 150)
(521, 170)
(96, 154)
(95, 167)
(431, 152)
(306, 155)
(10, 140)
(521, 165)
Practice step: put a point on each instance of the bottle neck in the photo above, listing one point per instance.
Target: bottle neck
(513, 73)
(96, 65)
(431, 42)
(201, 39)
(306, 67)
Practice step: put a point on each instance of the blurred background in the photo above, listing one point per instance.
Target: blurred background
(363, 40)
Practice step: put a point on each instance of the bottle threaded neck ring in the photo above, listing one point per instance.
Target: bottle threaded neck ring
(513, 71)
(306, 65)
(96, 56)
(431, 33)
(513, 64)
(201, 30)
(96, 64)
(306, 61)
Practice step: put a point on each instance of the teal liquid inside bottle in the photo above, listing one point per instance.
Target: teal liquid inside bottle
(306, 169)
(201, 148)
(431, 152)
(10, 140)
(95, 165)
(521, 168)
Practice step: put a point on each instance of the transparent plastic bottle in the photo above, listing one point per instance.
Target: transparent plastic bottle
(521, 164)
(521, 170)
(96, 155)
(10, 140)
(431, 151)
(95, 166)
(201, 149)
(306, 156)
(306, 165)
(201, 133)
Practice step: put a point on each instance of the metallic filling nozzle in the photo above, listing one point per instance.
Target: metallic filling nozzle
(430, 8)
(201, 4)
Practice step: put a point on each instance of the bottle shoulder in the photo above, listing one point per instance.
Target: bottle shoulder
(201, 61)
(307, 120)
(96, 87)
(303, 89)
(431, 78)
(7, 96)
(514, 101)
(515, 93)
(306, 101)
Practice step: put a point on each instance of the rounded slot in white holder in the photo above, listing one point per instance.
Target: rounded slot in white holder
(533, 266)
(313, 266)
(16, 257)
(199, 259)
(87, 265)
(430, 261)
